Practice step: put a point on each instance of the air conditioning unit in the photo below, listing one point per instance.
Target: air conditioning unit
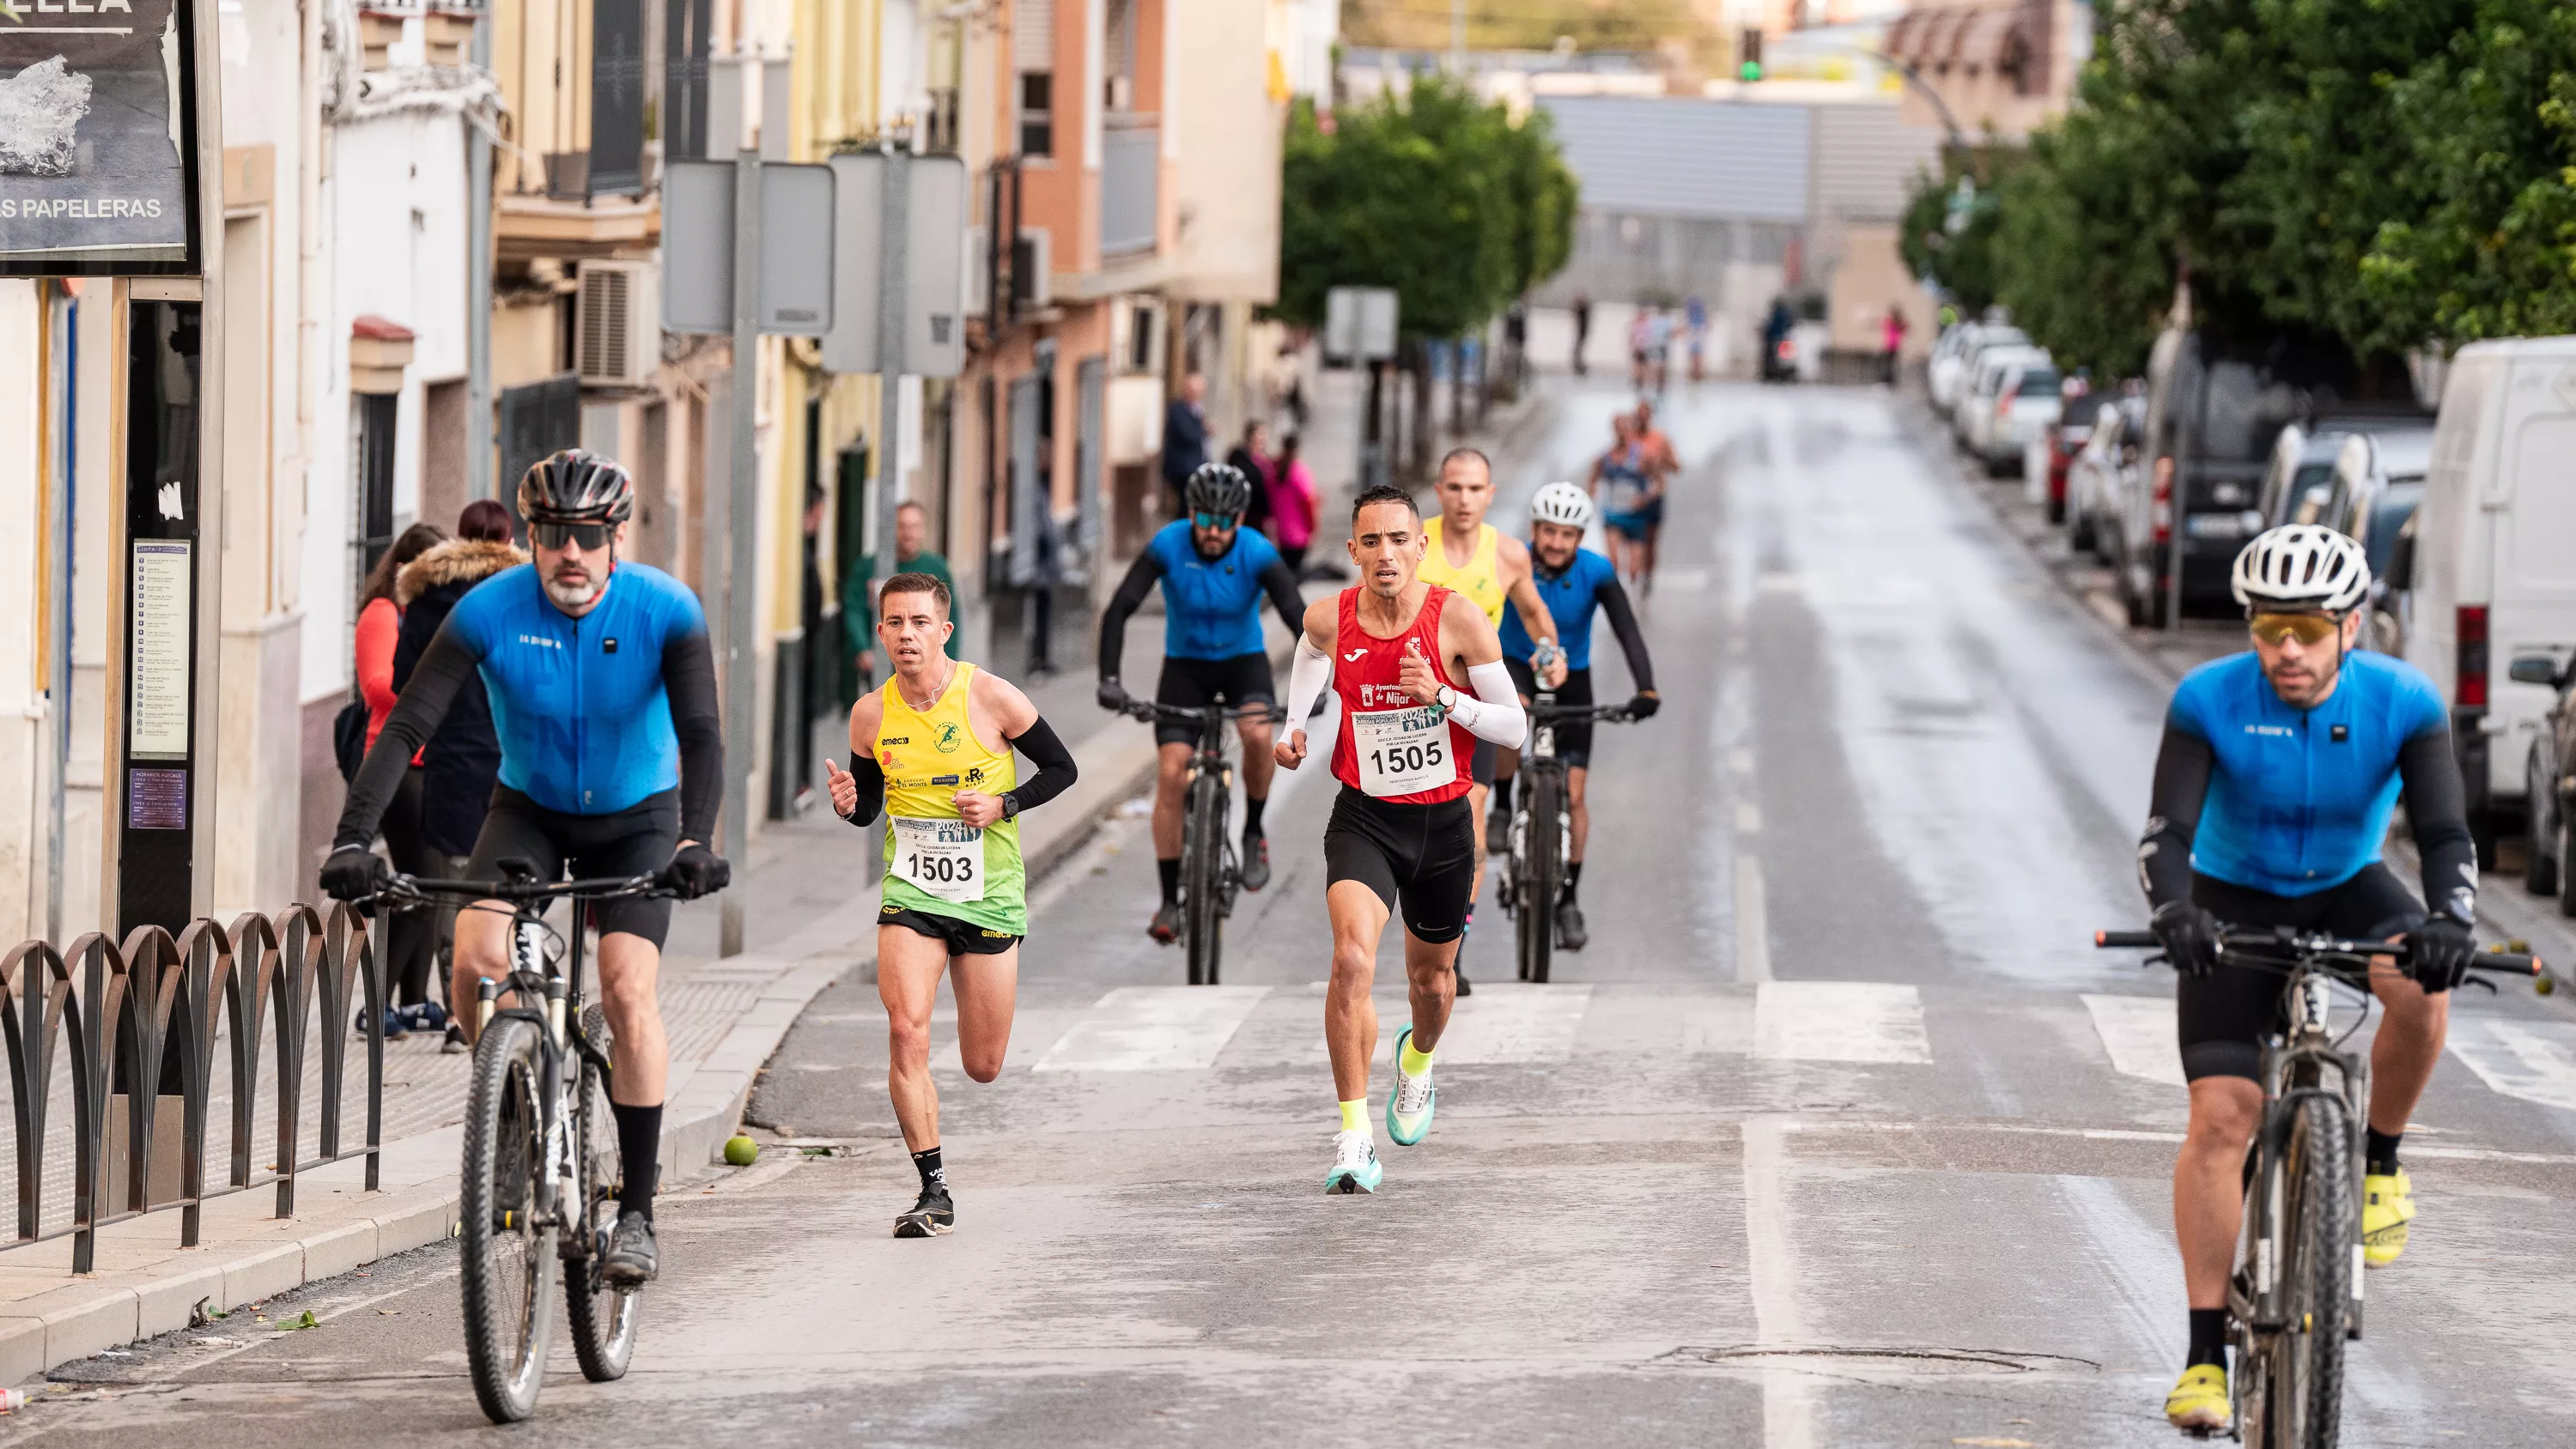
(616, 339)
(1033, 269)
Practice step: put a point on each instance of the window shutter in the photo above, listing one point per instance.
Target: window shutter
(1033, 35)
(686, 24)
(616, 97)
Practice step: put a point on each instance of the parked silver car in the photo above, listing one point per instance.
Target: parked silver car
(2101, 475)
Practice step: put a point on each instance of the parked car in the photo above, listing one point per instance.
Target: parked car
(2552, 815)
(2378, 483)
(1974, 417)
(2100, 474)
(2027, 402)
(2300, 474)
(1993, 341)
(1950, 370)
(2049, 454)
(2493, 576)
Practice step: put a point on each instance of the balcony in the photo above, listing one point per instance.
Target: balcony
(1130, 185)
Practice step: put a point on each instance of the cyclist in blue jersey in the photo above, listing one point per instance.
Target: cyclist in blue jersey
(1214, 574)
(2273, 789)
(603, 693)
(1574, 583)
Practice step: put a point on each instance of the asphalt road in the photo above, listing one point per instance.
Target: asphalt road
(1839, 1134)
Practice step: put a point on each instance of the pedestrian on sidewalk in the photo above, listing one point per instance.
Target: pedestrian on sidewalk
(934, 750)
(1185, 437)
(912, 555)
(462, 761)
(413, 938)
(1892, 339)
(1292, 504)
(1252, 459)
(1582, 328)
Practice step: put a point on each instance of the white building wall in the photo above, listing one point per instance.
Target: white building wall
(22, 704)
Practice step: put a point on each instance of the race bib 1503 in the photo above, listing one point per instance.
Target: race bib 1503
(942, 858)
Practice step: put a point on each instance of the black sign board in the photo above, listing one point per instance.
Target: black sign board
(98, 145)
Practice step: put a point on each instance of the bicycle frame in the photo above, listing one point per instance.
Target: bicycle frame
(1217, 878)
(2303, 1061)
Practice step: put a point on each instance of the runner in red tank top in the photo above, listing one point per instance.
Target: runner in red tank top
(1401, 838)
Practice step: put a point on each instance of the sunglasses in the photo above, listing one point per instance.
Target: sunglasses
(1216, 521)
(589, 537)
(2308, 629)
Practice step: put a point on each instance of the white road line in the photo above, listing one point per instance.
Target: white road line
(1788, 1394)
(1748, 818)
(2139, 1262)
(1154, 1028)
(2532, 1060)
(1723, 1025)
(1839, 1021)
(2139, 1033)
(1510, 1022)
(1752, 923)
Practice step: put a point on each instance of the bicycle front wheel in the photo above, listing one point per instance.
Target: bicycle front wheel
(1203, 884)
(508, 1266)
(1541, 874)
(2319, 1255)
(602, 1318)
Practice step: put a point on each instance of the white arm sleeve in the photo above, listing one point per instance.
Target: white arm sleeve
(1307, 679)
(1495, 713)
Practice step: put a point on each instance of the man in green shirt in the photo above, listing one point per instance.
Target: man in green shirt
(911, 532)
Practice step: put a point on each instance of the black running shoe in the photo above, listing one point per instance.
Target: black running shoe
(932, 1215)
(1256, 862)
(633, 1258)
(1167, 923)
(1570, 934)
(1460, 969)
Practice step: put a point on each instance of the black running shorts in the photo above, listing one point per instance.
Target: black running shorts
(963, 938)
(1197, 683)
(2225, 1015)
(1420, 859)
(637, 840)
(1573, 741)
(1481, 761)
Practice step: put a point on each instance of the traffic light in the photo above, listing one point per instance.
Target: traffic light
(1748, 55)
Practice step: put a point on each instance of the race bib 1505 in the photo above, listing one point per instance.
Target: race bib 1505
(1403, 751)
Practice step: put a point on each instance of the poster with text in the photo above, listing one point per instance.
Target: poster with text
(93, 137)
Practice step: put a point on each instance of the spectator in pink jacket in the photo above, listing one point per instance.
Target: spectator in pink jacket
(1292, 504)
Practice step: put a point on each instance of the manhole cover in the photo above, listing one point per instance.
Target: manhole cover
(1918, 1362)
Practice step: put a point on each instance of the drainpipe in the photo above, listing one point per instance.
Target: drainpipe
(478, 287)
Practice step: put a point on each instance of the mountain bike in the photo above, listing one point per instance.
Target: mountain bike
(2295, 1296)
(1211, 873)
(1541, 839)
(539, 1184)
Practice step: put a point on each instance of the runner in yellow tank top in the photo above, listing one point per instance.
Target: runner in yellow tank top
(934, 749)
(1461, 552)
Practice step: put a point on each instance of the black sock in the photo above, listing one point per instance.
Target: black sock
(1573, 877)
(1502, 797)
(2379, 1151)
(2208, 1337)
(1252, 816)
(934, 1178)
(639, 1153)
(1171, 873)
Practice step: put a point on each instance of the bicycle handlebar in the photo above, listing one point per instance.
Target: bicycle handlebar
(1148, 711)
(2511, 963)
(410, 888)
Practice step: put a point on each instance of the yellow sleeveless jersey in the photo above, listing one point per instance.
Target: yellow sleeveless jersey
(936, 863)
(1481, 580)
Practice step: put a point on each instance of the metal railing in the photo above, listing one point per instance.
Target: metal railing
(142, 1021)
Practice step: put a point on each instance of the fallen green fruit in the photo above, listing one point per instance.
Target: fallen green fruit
(741, 1151)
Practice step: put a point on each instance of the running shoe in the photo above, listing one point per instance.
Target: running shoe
(1570, 932)
(2199, 1400)
(633, 1258)
(1255, 872)
(932, 1215)
(1409, 1106)
(1167, 923)
(1460, 970)
(455, 1043)
(2387, 1206)
(1355, 1164)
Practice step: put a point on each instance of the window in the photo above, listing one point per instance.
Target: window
(373, 453)
(1037, 113)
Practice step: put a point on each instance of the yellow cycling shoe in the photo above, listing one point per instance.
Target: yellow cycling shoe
(2199, 1400)
(2387, 1206)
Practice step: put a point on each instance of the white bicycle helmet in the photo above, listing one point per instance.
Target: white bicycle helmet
(2301, 566)
(1564, 503)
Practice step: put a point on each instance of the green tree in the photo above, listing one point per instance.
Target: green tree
(1958, 255)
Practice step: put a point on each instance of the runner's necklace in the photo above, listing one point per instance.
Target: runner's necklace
(935, 695)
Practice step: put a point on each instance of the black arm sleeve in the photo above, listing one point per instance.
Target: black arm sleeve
(1056, 771)
(1140, 580)
(442, 671)
(1623, 622)
(871, 779)
(1281, 585)
(2183, 763)
(689, 679)
(2437, 814)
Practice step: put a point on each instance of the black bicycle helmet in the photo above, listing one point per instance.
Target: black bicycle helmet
(1217, 488)
(575, 486)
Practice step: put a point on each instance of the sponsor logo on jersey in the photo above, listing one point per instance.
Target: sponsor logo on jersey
(975, 776)
(894, 739)
(1355, 656)
(1377, 694)
(541, 641)
(2274, 731)
(949, 738)
(943, 779)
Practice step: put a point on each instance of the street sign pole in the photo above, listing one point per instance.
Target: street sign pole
(741, 571)
(895, 242)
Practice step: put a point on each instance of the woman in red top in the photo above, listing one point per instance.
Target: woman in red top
(1401, 836)
(414, 935)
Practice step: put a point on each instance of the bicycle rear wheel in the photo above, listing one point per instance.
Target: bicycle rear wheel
(508, 1265)
(1203, 881)
(602, 1319)
(2318, 1258)
(1542, 872)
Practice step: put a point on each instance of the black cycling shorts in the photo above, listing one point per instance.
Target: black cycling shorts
(2225, 1015)
(1573, 741)
(963, 938)
(637, 840)
(1237, 681)
(1420, 859)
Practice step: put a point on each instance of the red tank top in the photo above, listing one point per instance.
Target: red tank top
(1390, 747)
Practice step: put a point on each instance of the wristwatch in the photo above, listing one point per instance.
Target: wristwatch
(1010, 805)
(1446, 698)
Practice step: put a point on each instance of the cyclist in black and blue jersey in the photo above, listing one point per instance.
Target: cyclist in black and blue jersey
(2273, 790)
(603, 693)
(1575, 583)
(1214, 574)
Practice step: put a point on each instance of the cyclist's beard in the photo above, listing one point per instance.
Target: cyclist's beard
(575, 596)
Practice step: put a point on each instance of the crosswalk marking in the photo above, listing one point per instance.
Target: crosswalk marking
(1839, 1021)
(1154, 1028)
(1723, 1024)
(2139, 1033)
(1509, 1022)
(2532, 1060)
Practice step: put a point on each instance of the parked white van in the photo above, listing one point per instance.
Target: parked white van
(2493, 564)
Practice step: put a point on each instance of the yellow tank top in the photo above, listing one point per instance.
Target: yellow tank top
(935, 863)
(1481, 579)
